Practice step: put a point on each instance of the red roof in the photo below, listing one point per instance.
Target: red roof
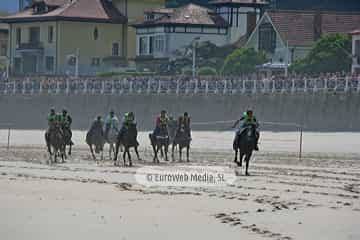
(299, 27)
(76, 10)
(355, 32)
(190, 14)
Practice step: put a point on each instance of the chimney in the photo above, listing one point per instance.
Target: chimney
(317, 25)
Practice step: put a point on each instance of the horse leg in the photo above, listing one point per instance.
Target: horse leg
(92, 152)
(129, 157)
(166, 152)
(247, 159)
(116, 152)
(180, 153)
(124, 156)
(236, 155)
(241, 158)
(187, 153)
(172, 152)
(137, 153)
(69, 152)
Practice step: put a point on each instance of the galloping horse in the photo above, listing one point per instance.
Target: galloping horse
(128, 139)
(182, 138)
(159, 142)
(95, 137)
(54, 139)
(245, 142)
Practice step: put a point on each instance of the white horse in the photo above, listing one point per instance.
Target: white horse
(111, 140)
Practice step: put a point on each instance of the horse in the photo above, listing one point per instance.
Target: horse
(128, 139)
(67, 137)
(159, 142)
(245, 142)
(54, 139)
(95, 137)
(111, 139)
(182, 138)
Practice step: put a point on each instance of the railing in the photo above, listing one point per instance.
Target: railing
(181, 86)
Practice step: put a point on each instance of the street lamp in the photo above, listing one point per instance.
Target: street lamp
(194, 41)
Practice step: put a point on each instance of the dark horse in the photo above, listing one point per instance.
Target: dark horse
(67, 137)
(55, 140)
(95, 137)
(182, 138)
(128, 139)
(160, 141)
(245, 142)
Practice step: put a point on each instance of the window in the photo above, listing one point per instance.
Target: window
(17, 64)
(267, 38)
(159, 43)
(96, 34)
(95, 62)
(115, 49)
(50, 34)
(18, 36)
(143, 45)
(3, 50)
(49, 63)
(34, 34)
(151, 45)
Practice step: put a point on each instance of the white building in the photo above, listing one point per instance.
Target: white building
(166, 30)
(356, 51)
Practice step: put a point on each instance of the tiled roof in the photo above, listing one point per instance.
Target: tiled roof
(299, 27)
(76, 10)
(190, 14)
(261, 2)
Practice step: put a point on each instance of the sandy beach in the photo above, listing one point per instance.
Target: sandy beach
(316, 197)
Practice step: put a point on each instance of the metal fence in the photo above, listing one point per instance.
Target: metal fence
(180, 86)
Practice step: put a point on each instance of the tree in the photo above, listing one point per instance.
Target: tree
(332, 53)
(243, 61)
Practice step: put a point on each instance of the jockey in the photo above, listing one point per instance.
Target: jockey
(66, 122)
(161, 120)
(51, 117)
(97, 124)
(128, 119)
(247, 119)
(111, 122)
(184, 123)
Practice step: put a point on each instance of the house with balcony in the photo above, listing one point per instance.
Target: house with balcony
(49, 37)
(166, 30)
(356, 51)
(288, 35)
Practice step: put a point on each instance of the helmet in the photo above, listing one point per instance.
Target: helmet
(112, 112)
(52, 110)
(98, 117)
(64, 111)
(163, 111)
(186, 114)
(249, 112)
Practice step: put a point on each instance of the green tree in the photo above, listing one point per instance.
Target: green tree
(332, 53)
(242, 61)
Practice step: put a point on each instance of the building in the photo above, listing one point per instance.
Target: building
(165, 30)
(49, 35)
(289, 35)
(4, 37)
(356, 51)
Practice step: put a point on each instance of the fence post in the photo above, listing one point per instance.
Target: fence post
(305, 85)
(346, 83)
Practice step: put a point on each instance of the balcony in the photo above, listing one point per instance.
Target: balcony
(31, 47)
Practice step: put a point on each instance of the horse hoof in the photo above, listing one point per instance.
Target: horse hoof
(247, 174)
